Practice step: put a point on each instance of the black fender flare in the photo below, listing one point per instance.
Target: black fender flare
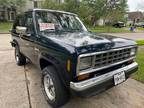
(57, 67)
(14, 43)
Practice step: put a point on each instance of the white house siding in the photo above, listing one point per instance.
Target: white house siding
(30, 5)
(100, 22)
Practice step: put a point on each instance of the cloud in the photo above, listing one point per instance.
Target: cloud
(141, 5)
(135, 5)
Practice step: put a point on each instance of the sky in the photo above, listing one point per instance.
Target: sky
(134, 5)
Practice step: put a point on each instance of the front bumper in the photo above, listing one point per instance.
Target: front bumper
(103, 79)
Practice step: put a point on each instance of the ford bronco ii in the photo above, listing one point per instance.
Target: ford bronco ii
(71, 59)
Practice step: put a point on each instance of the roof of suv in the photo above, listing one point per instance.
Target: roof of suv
(50, 10)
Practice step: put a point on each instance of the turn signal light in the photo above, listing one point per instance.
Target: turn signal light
(68, 65)
(83, 77)
(131, 61)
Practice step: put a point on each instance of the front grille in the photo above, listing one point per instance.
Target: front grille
(111, 57)
(107, 59)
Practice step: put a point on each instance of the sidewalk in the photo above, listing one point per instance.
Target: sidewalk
(134, 36)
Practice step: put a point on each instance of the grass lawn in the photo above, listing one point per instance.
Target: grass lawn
(5, 27)
(140, 28)
(140, 42)
(139, 75)
(108, 29)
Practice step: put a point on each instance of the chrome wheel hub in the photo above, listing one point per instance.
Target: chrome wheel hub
(49, 87)
(17, 56)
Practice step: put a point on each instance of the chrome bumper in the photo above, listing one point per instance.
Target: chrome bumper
(83, 85)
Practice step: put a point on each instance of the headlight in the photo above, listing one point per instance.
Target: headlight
(85, 63)
(133, 52)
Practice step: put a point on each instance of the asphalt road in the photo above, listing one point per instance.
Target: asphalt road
(20, 87)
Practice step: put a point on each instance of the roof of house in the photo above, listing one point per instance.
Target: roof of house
(136, 15)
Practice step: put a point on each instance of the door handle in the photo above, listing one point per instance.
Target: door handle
(27, 44)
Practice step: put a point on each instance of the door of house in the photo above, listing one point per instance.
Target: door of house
(11, 15)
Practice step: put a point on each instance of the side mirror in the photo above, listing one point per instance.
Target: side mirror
(21, 30)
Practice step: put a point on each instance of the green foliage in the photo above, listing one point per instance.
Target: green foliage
(92, 10)
(15, 3)
(71, 6)
(140, 42)
(50, 4)
(113, 10)
(139, 75)
(5, 27)
(108, 29)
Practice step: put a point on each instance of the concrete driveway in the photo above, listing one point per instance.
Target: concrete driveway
(20, 87)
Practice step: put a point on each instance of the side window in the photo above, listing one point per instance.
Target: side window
(29, 23)
(18, 22)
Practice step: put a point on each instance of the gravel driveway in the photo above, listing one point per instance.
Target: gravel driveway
(20, 87)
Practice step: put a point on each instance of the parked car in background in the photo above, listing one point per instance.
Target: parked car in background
(119, 24)
(71, 58)
(142, 24)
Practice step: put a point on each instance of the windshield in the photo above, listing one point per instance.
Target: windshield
(55, 21)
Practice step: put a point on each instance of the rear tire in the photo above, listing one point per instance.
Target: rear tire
(53, 90)
(20, 59)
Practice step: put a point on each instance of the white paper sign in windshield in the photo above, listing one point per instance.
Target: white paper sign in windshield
(46, 26)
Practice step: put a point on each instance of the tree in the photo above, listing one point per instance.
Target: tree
(50, 4)
(92, 10)
(15, 3)
(72, 6)
(107, 9)
(117, 10)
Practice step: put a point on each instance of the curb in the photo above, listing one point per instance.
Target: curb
(5, 33)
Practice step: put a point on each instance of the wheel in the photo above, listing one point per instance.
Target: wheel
(54, 92)
(20, 59)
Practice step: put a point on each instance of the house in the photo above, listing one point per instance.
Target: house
(30, 4)
(135, 17)
(7, 13)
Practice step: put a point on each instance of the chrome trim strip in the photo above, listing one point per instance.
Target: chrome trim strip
(93, 70)
(91, 54)
(83, 85)
(51, 10)
(95, 53)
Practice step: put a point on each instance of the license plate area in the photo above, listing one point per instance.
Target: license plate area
(119, 78)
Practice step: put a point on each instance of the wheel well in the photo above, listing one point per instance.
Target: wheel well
(16, 43)
(44, 63)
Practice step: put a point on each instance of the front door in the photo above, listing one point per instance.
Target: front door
(28, 38)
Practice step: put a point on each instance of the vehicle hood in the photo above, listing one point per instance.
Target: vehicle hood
(89, 42)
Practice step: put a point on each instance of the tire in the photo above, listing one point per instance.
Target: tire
(20, 59)
(55, 93)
